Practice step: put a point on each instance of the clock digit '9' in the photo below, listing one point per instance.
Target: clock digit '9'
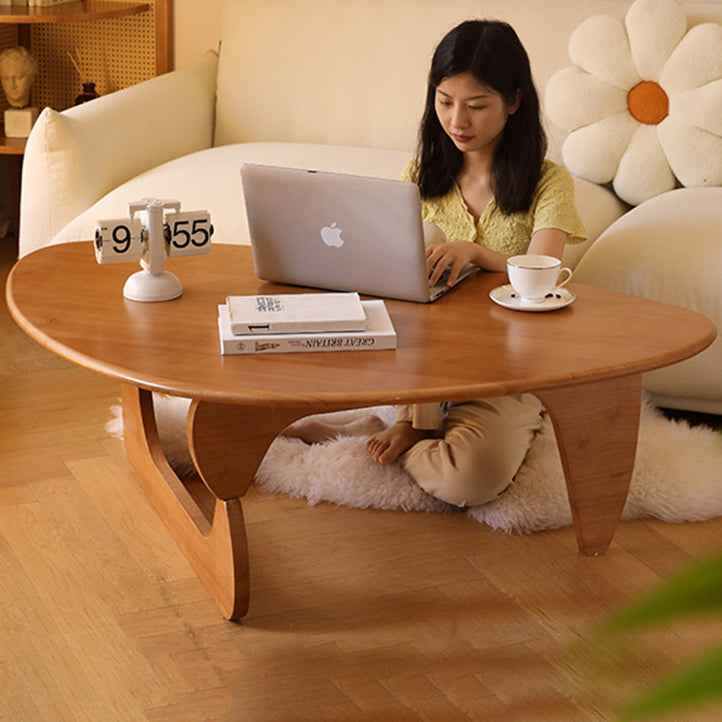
(118, 240)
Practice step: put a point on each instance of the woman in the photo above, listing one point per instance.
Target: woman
(487, 193)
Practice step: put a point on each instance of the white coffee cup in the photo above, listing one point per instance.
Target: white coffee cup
(534, 276)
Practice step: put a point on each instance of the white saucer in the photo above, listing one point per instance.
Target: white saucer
(506, 296)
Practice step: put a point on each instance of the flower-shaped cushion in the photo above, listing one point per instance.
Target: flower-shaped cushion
(642, 102)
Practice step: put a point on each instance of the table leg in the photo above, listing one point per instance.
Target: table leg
(227, 443)
(596, 426)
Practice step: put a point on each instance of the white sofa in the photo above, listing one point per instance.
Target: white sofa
(339, 85)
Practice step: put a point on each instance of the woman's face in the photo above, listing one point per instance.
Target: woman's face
(471, 114)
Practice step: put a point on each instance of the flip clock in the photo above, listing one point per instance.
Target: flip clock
(155, 230)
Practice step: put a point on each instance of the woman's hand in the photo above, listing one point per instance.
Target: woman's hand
(453, 255)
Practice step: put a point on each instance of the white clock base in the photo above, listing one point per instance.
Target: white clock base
(146, 286)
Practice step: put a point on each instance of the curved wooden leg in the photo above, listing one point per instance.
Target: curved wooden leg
(216, 549)
(596, 427)
(227, 443)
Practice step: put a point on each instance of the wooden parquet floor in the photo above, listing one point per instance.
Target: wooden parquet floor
(355, 615)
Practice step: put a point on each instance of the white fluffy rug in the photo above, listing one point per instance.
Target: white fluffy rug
(677, 475)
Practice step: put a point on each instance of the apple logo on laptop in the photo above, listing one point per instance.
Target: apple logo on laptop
(331, 236)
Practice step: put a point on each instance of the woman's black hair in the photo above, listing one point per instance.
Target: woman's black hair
(491, 51)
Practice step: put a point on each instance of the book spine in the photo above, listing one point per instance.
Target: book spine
(296, 327)
(353, 342)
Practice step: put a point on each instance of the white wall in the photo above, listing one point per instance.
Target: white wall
(197, 25)
(196, 28)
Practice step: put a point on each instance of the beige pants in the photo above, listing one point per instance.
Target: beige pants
(480, 446)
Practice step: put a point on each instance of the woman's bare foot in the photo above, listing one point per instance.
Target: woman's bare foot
(316, 431)
(386, 446)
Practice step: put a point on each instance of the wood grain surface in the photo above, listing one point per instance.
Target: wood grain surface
(462, 346)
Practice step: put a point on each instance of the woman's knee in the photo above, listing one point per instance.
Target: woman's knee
(484, 444)
(470, 480)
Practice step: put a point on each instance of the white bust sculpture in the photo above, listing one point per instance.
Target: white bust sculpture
(17, 72)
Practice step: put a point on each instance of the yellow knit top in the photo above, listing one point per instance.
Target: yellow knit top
(552, 207)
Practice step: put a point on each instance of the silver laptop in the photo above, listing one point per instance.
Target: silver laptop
(338, 232)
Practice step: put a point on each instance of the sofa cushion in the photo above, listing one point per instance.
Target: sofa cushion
(669, 249)
(211, 180)
(86, 151)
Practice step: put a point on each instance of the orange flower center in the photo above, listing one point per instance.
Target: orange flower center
(648, 103)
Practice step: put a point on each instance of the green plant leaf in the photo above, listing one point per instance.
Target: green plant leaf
(698, 681)
(696, 590)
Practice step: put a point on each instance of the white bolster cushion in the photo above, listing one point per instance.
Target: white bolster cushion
(75, 157)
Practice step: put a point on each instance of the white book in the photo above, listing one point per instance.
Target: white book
(379, 335)
(296, 313)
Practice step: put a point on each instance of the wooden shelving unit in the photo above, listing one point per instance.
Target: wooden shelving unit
(12, 146)
(26, 18)
(70, 12)
(83, 11)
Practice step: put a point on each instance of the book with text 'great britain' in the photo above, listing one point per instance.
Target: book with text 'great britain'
(379, 335)
(296, 313)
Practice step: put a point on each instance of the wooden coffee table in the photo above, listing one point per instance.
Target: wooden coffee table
(584, 363)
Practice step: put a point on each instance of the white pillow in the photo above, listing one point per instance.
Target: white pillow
(641, 103)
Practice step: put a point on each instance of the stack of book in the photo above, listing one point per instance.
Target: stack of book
(301, 322)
